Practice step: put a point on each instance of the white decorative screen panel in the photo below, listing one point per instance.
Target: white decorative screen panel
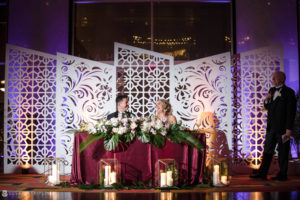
(29, 126)
(85, 92)
(144, 76)
(257, 68)
(47, 97)
(200, 93)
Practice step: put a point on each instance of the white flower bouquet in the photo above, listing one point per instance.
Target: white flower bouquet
(147, 130)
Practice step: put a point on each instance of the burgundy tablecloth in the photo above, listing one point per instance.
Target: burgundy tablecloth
(137, 161)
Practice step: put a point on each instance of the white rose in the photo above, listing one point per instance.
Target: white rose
(159, 124)
(153, 132)
(91, 128)
(114, 121)
(164, 133)
(108, 122)
(103, 129)
(133, 119)
(124, 120)
(153, 123)
(115, 130)
(146, 126)
(133, 126)
(122, 130)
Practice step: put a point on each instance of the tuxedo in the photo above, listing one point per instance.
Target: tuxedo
(281, 115)
(126, 114)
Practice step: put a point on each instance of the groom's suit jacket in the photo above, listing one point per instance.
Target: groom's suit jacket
(115, 115)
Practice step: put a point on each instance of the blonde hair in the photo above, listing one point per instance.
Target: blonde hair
(167, 105)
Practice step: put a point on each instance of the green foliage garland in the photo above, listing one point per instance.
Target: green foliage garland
(146, 130)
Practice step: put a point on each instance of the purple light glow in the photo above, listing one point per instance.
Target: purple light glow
(39, 25)
(259, 25)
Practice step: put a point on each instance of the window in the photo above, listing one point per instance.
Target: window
(185, 30)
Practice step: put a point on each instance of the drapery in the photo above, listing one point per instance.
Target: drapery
(138, 161)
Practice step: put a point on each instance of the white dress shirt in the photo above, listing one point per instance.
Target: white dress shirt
(277, 93)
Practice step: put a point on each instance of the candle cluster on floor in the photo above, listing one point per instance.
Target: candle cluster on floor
(217, 179)
(166, 179)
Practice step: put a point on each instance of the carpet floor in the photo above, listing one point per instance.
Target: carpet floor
(239, 183)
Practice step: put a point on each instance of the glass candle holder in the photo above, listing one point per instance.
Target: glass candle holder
(108, 172)
(220, 172)
(54, 169)
(167, 173)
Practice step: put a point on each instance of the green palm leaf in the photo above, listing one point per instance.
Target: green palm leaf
(89, 140)
(143, 137)
(158, 141)
(111, 143)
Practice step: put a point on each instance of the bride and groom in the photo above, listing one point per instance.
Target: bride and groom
(163, 110)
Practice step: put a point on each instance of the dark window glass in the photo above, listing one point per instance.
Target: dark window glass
(3, 41)
(185, 30)
(3, 29)
(190, 31)
(98, 26)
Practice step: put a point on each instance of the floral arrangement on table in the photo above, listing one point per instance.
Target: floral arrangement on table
(146, 130)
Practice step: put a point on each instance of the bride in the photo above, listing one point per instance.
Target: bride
(164, 112)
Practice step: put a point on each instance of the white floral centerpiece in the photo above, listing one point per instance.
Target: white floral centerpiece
(147, 130)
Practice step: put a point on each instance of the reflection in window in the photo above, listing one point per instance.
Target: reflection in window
(190, 31)
(185, 30)
(98, 26)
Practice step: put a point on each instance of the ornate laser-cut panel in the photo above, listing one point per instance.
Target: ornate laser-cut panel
(200, 95)
(29, 127)
(239, 157)
(85, 92)
(144, 76)
(257, 67)
(199, 91)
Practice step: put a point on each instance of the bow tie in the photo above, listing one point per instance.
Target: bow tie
(278, 89)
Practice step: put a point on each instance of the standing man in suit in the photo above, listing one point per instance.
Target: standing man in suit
(122, 106)
(281, 105)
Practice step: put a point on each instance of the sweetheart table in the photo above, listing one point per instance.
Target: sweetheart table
(138, 161)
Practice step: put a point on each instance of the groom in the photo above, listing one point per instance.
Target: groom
(122, 106)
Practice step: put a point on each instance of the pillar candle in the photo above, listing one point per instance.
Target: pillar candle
(224, 180)
(216, 174)
(163, 179)
(54, 171)
(107, 174)
(215, 178)
(216, 168)
(50, 179)
(169, 178)
(113, 178)
(55, 174)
